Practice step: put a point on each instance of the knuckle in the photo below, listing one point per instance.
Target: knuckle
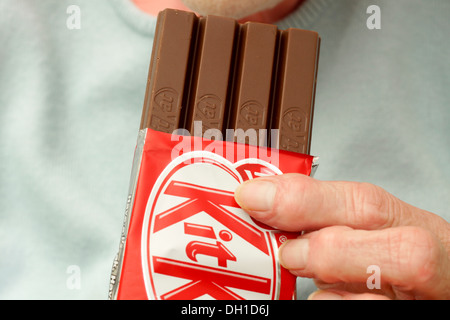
(289, 203)
(370, 205)
(327, 242)
(418, 254)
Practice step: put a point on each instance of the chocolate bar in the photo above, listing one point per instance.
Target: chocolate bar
(252, 93)
(168, 71)
(184, 236)
(232, 76)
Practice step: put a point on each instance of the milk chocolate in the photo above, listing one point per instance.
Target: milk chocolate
(255, 68)
(169, 69)
(232, 76)
(295, 89)
(212, 70)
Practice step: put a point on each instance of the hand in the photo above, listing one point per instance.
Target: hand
(348, 227)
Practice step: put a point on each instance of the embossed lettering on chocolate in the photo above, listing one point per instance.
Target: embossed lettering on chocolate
(168, 71)
(212, 71)
(255, 69)
(295, 89)
(232, 76)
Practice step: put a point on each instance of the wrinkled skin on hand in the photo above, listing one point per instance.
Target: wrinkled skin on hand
(349, 227)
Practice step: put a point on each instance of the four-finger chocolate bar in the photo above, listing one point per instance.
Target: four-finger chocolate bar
(232, 76)
(221, 96)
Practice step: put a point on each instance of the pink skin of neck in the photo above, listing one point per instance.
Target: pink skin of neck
(272, 15)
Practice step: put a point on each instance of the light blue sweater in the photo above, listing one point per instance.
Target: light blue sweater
(71, 101)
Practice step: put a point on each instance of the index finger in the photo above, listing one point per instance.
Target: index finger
(295, 202)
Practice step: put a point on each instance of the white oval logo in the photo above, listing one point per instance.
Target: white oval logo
(197, 243)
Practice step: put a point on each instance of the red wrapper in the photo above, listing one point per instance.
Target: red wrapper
(185, 237)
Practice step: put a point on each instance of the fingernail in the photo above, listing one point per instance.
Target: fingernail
(256, 195)
(324, 295)
(293, 254)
